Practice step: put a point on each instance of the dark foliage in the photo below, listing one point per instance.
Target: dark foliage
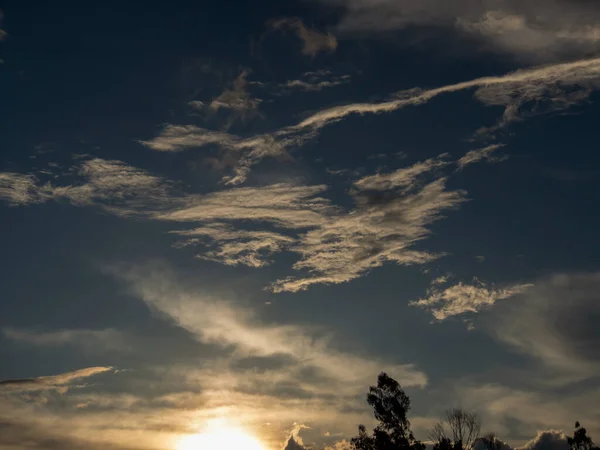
(580, 439)
(390, 406)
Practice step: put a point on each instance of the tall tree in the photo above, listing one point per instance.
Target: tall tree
(390, 406)
(460, 429)
(580, 439)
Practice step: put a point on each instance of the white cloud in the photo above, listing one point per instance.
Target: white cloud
(383, 227)
(237, 247)
(464, 298)
(482, 154)
(113, 185)
(244, 151)
(314, 41)
(560, 85)
(392, 213)
(18, 189)
(547, 440)
(175, 138)
(284, 205)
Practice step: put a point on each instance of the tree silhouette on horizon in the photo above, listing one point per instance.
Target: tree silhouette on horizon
(390, 406)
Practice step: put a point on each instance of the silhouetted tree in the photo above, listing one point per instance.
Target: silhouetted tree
(390, 405)
(464, 430)
(491, 442)
(580, 439)
(447, 444)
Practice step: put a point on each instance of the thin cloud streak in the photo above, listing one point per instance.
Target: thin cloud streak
(558, 87)
(60, 381)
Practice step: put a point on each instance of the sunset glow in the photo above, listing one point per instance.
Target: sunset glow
(223, 438)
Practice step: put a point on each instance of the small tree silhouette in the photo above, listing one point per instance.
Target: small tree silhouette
(491, 442)
(464, 429)
(390, 405)
(580, 439)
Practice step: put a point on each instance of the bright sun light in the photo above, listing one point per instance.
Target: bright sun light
(223, 438)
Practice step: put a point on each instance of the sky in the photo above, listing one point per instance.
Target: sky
(234, 215)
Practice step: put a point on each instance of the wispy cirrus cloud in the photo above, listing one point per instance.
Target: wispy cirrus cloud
(522, 94)
(221, 323)
(52, 382)
(244, 152)
(559, 85)
(461, 298)
(392, 212)
(487, 154)
(314, 41)
(18, 189)
(113, 185)
(237, 101)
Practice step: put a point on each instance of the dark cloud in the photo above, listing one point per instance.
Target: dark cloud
(28, 437)
(535, 29)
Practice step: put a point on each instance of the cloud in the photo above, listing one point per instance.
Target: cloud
(555, 323)
(392, 213)
(533, 29)
(113, 185)
(547, 440)
(294, 441)
(175, 138)
(559, 86)
(481, 154)
(314, 41)
(237, 247)
(534, 405)
(384, 227)
(18, 189)
(237, 100)
(314, 82)
(90, 339)
(51, 382)
(221, 323)
(522, 94)
(464, 298)
(244, 152)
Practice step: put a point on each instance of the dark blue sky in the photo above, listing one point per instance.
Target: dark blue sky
(235, 214)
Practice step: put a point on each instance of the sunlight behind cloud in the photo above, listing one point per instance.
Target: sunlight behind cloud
(222, 438)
